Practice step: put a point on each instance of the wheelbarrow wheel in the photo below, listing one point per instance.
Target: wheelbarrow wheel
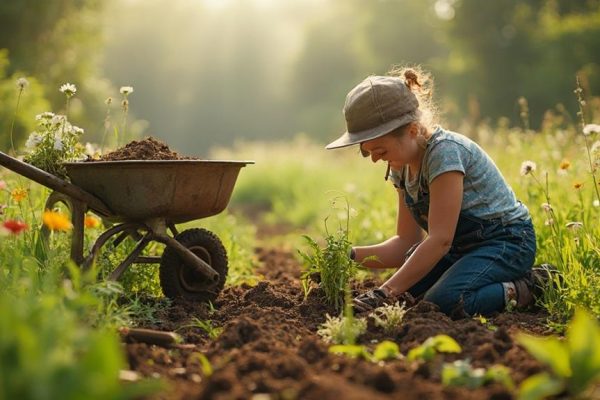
(179, 281)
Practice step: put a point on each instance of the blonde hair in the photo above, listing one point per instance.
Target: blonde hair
(420, 83)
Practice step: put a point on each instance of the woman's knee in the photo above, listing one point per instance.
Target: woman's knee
(446, 299)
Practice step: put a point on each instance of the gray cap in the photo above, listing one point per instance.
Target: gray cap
(375, 107)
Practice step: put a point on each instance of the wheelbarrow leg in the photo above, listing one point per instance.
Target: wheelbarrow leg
(125, 228)
(116, 274)
(77, 209)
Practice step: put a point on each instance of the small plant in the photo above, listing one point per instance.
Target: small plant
(485, 322)
(213, 332)
(432, 346)
(331, 264)
(389, 316)
(384, 351)
(55, 141)
(342, 330)
(461, 373)
(574, 363)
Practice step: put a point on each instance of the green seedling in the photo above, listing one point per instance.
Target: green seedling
(432, 346)
(205, 364)
(342, 330)
(331, 264)
(213, 332)
(574, 362)
(461, 373)
(485, 322)
(384, 351)
(389, 316)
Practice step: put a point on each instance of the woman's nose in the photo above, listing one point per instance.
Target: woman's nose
(375, 157)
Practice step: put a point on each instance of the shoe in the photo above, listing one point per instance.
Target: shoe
(531, 286)
(369, 301)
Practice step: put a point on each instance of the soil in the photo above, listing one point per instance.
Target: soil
(145, 149)
(269, 348)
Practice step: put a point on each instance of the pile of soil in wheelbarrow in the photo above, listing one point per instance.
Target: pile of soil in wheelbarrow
(268, 347)
(146, 149)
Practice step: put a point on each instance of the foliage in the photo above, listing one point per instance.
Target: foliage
(461, 373)
(386, 350)
(55, 141)
(574, 363)
(432, 346)
(213, 332)
(389, 316)
(332, 263)
(342, 330)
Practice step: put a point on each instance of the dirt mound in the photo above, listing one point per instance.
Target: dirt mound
(268, 347)
(146, 149)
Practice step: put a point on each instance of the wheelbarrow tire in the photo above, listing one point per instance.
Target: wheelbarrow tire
(179, 281)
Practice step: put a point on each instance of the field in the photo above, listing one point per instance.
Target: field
(260, 339)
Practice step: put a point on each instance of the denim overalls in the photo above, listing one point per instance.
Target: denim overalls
(483, 254)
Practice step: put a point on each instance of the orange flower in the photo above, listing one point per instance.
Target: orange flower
(18, 194)
(14, 226)
(91, 222)
(56, 221)
(578, 185)
(565, 164)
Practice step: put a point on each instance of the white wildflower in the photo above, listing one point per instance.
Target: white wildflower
(58, 144)
(22, 83)
(77, 130)
(91, 149)
(68, 89)
(45, 115)
(126, 90)
(546, 207)
(527, 167)
(591, 128)
(57, 120)
(574, 226)
(596, 203)
(33, 140)
(549, 222)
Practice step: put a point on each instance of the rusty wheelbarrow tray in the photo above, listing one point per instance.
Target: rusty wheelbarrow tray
(144, 200)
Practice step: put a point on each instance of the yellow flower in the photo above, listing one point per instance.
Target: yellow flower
(56, 221)
(91, 222)
(578, 185)
(18, 194)
(565, 164)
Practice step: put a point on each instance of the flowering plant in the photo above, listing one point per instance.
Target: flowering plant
(55, 141)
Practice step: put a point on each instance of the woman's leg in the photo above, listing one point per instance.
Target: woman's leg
(474, 281)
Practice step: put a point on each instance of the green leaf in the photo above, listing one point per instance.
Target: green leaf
(548, 350)
(540, 386)
(445, 344)
(583, 341)
(386, 350)
(351, 350)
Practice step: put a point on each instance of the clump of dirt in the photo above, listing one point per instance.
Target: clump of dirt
(145, 149)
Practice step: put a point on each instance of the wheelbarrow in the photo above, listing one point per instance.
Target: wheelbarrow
(144, 200)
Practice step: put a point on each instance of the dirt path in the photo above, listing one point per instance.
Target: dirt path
(269, 348)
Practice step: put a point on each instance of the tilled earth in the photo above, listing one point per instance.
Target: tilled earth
(269, 348)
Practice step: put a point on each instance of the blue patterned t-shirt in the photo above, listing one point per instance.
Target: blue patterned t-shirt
(486, 193)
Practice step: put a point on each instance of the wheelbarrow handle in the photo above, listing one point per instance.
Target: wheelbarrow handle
(53, 182)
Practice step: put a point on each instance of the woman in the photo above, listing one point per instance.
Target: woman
(463, 240)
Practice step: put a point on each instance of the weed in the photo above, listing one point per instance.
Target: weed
(389, 316)
(342, 330)
(213, 332)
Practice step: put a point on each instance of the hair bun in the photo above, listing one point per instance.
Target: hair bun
(411, 78)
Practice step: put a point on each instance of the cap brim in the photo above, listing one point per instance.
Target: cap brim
(351, 138)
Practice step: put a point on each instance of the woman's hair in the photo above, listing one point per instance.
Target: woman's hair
(420, 83)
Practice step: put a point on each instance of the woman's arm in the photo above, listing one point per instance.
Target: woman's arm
(446, 193)
(390, 254)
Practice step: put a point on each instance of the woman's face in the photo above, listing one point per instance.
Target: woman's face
(397, 149)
